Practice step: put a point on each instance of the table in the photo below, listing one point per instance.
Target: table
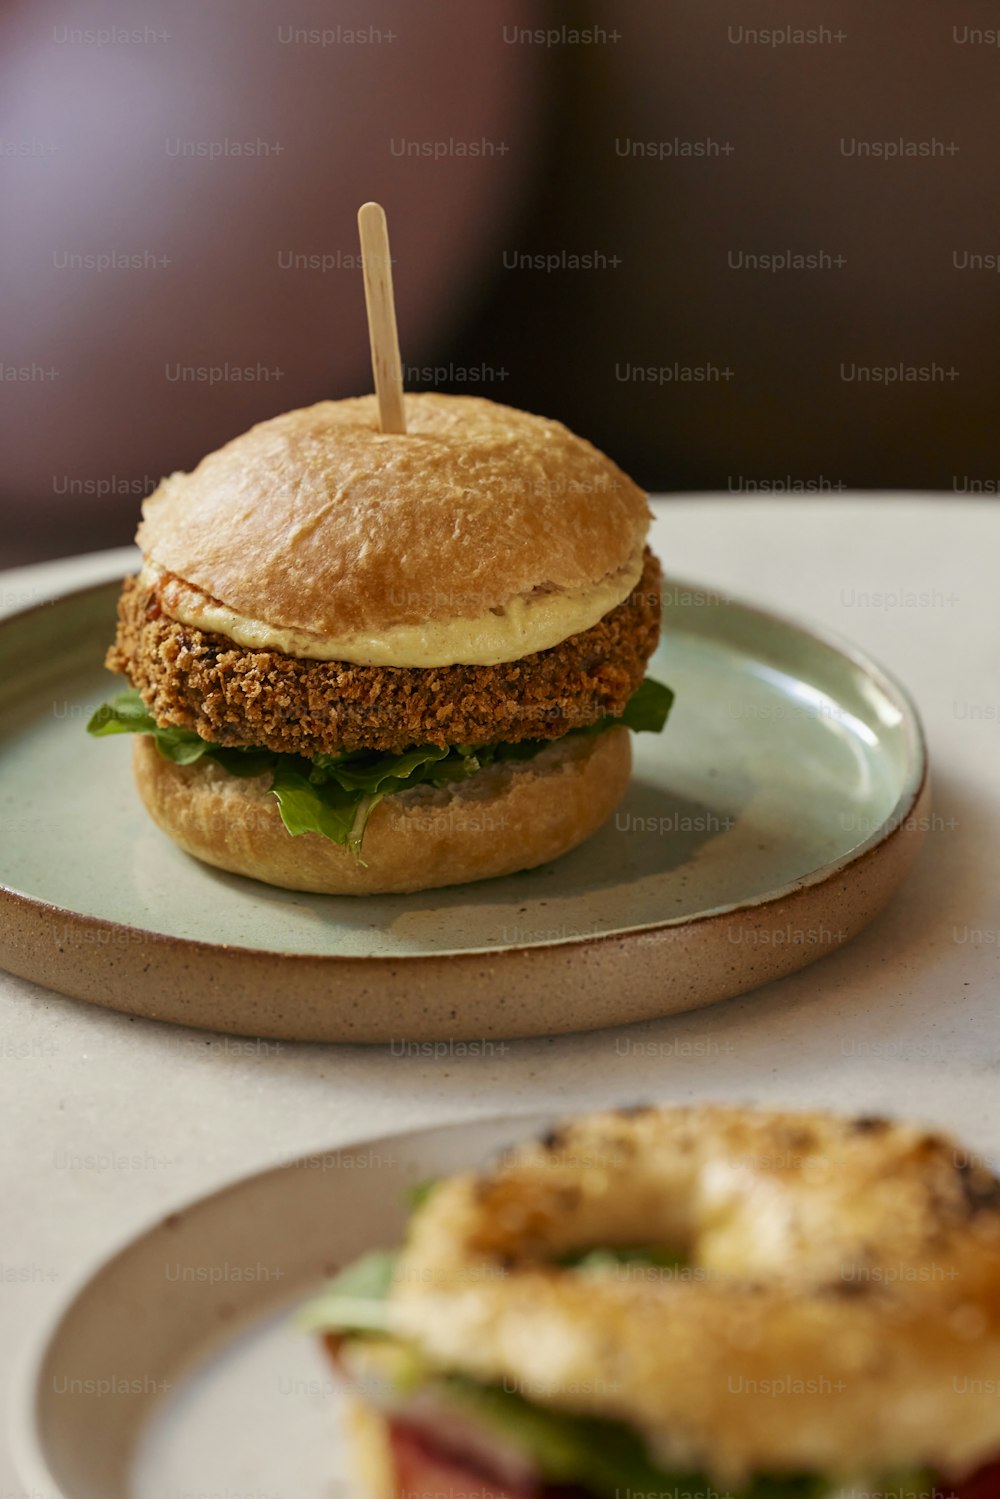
(112, 1122)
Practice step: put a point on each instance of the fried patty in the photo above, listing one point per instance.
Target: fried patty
(195, 679)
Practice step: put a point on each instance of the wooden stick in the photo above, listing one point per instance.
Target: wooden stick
(382, 333)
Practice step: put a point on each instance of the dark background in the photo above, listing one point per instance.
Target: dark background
(115, 376)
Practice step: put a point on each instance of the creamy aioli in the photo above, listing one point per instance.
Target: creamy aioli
(529, 623)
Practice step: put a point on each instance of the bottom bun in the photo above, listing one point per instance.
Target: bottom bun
(369, 1452)
(511, 816)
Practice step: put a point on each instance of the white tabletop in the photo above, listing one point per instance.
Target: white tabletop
(111, 1122)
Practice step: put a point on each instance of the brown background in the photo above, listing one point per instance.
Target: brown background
(87, 169)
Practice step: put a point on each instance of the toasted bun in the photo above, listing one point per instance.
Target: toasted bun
(508, 817)
(369, 1455)
(317, 521)
(836, 1311)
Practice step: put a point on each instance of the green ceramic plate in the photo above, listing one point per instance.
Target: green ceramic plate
(767, 825)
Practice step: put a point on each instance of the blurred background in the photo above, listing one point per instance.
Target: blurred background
(741, 246)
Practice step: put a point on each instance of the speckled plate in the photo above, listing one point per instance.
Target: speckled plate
(770, 822)
(176, 1368)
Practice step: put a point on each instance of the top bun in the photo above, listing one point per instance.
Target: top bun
(317, 521)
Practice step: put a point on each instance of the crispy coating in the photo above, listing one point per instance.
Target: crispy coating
(836, 1309)
(196, 680)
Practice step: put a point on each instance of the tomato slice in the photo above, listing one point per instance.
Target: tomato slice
(982, 1485)
(424, 1473)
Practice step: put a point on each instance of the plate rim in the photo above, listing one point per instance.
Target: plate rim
(23, 1426)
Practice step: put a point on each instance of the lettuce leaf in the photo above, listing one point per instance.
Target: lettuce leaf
(334, 795)
(418, 1194)
(647, 709)
(126, 713)
(356, 1300)
(598, 1261)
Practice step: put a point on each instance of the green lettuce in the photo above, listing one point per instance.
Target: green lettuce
(603, 1456)
(597, 1261)
(356, 1299)
(646, 711)
(334, 795)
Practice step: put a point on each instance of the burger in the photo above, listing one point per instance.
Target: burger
(699, 1302)
(365, 662)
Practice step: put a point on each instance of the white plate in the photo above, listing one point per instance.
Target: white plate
(231, 1400)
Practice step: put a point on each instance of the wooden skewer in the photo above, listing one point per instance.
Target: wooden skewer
(382, 333)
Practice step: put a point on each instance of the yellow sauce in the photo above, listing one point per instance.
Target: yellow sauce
(530, 623)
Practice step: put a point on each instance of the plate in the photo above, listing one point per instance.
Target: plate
(177, 1368)
(771, 821)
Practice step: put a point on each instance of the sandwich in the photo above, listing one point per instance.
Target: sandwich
(363, 662)
(684, 1302)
